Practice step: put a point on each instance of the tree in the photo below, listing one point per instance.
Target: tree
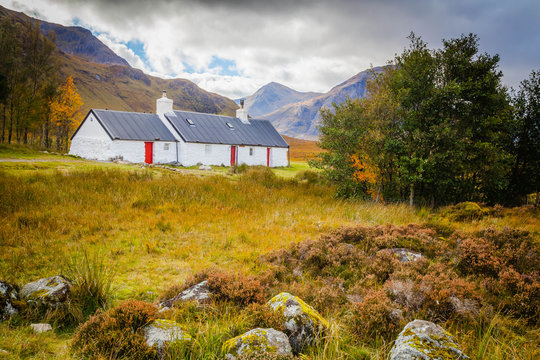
(65, 111)
(525, 177)
(434, 128)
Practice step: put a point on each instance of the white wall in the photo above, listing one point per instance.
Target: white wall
(279, 157)
(91, 141)
(134, 151)
(194, 153)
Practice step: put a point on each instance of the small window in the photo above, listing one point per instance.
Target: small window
(207, 149)
(165, 146)
(250, 151)
(190, 122)
(230, 125)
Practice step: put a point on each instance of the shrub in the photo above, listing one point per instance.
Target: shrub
(310, 177)
(239, 289)
(261, 316)
(375, 316)
(465, 211)
(264, 176)
(116, 333)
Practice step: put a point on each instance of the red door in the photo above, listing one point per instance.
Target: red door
(233, 155)
(268, 157)
(148, 152)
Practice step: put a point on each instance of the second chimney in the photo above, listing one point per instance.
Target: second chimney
(242, 113)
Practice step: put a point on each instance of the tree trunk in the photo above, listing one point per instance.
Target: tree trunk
(10, 130)
(411, 196)
(3, 122)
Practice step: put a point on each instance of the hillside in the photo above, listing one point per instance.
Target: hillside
(273, 96)
(302, 150)
(301, 119)
(119, 87)
(79, 41)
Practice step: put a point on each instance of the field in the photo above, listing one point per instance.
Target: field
(155, 228)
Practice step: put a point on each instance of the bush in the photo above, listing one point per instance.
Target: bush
(310, 177)
(466, 211)
(375, 316)
(116, 333)
(261, 316)
(264, 176)
(239, 289)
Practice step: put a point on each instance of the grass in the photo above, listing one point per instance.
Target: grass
(155, 228)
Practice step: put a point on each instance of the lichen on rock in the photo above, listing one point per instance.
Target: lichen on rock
(199, 293)
(52, 291)
(257, 341)
(8, 299)
(425, 340)
(303, 324)
(160, 333)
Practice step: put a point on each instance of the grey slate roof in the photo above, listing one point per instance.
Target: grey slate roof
(123, 125)
(213, 129)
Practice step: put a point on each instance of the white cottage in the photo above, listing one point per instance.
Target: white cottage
(183, 137)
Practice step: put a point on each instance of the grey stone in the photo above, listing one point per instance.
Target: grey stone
(405, 255)
(52, 291)
(303, 324)
(8, 295)
(258, 341)
(205, 167)
(199, 293)
(464, 306)
(160, 333)
(425, 340)
(41, 328)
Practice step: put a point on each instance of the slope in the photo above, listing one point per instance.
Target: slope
(301, 119)
(272, 97)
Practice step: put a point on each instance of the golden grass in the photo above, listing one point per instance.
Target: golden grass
(302, 150)
(156, 227)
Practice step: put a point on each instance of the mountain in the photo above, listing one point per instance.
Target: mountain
(104, 81)
(273, 96)
(79, 41)
(300, 119)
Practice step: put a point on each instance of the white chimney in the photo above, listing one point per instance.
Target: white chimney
(164, 104)
(242, 113)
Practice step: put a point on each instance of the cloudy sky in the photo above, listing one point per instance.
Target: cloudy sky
(233, 47)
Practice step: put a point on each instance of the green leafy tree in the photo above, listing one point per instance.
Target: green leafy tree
(525, 177)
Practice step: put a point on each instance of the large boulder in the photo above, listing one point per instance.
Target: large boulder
(8, 298)
(51, 292)
(303, 324)
(257, 341)
(425, 340)
(199, 293)
(160, 333)
(41, 328)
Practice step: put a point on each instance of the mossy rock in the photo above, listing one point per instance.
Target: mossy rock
(303, 324)
(466, 211)
(9, 298)
(160, 333)
(427, 341)
(51, 292)
(257, 341)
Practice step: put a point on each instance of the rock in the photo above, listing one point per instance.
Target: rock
(41, 328)
(405, 293)
(257, 341)
(405, 255)
(303, 324)
(52, 291)
(161, 332)
(425, 340)
(8, 296)
(205, 167)
(199, 293)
